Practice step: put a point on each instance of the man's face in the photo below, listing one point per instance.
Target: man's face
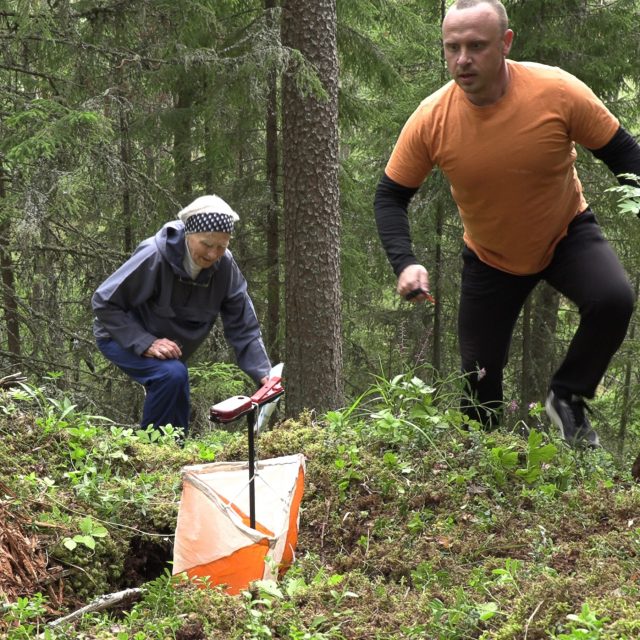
(208, 247)
(475, 48)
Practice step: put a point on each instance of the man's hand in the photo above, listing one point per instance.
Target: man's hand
(163, 349)
(414, 278)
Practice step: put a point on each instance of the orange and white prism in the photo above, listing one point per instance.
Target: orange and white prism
(213, 537)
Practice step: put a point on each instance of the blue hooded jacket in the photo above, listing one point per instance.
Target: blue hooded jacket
(151, 296)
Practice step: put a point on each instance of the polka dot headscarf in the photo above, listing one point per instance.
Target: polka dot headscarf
(199, 222)
(208, 213)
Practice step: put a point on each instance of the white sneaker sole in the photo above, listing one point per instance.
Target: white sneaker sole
(554, 417)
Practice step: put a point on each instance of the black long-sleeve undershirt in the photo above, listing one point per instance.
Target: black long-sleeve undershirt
(390, 205)
(621, 155)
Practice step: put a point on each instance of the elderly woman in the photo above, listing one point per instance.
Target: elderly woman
(154, 311)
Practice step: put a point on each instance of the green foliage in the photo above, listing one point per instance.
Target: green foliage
(586, 625)
(212, 382)
(629, 194)
(25, 617)
(535, 457)
(45, 128)
(90, 531)
(576, 38)
(451, 531)
(441, 529)
(509, 573)
(89, 483)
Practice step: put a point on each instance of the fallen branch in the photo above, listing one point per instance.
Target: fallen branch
(12, 380)
(531, 617)
(128, 596)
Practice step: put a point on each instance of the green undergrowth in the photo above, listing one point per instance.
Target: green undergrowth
(413, 525)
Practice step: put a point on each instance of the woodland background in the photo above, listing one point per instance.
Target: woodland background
(114, 114)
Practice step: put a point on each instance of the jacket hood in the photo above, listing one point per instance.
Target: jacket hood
(171, 244)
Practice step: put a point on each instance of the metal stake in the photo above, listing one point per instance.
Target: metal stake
(251, 420)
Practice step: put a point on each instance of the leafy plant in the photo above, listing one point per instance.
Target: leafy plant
(537, 455)
(629, 201)
(458, 619)
(89, 532)
(348, 465)
(24, 616)
(212, 382)
(164, 435)
(509, 573)
(586, 625)
(507, 461)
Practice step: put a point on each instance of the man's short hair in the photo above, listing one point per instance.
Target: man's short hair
(496, 5)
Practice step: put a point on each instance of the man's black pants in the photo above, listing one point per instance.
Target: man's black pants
(584, 269)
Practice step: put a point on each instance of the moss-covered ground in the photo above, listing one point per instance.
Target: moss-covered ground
(413, 525)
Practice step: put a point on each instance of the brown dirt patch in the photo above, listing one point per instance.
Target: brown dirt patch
(24, 567)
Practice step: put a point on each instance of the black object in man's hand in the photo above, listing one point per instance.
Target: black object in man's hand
(419, 291)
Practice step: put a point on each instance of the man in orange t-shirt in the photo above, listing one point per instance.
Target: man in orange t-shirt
(504, 135)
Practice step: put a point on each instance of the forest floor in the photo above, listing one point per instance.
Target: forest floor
(411, 526)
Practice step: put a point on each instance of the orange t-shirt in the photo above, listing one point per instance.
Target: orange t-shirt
(510, 164)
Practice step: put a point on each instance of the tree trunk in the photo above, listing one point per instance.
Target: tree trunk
(123, 100)
(540, 319)
(438, 266)
(437, 288)
(526, 378)
(311, 211)
(125, 157)
(627, 402)
(9, 297)
(272, 230)
(182, 146)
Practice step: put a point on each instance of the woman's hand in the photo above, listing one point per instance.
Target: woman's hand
(163, 349)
